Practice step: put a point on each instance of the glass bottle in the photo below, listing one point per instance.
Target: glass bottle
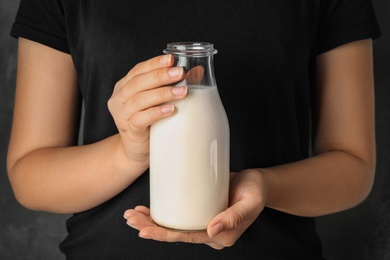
(189, 151)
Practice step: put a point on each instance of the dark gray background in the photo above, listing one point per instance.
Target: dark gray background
(362, 233)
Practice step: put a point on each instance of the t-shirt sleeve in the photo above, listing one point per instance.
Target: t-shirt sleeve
(42, 21)
(345, 21)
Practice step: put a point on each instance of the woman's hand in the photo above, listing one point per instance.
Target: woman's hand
(248, 191)
(140, 99)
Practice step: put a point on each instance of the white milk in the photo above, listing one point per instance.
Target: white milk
(189, 162)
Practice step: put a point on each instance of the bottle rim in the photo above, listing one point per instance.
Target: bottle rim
(197, 49)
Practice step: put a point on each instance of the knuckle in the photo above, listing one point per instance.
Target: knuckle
(160, 75)
(118, 85)
(129, 89)
(113, 109)
(135, 124)
(110, 105)
(135, 103)
(111, 102)
(135, 70)
(229, 243)
(225, 243)
(189, 238)
(234, 219)
(216, 246)
(163, 93)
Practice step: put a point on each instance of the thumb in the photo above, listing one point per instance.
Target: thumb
(228, 219)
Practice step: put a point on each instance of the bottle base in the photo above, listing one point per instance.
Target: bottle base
(182, 229)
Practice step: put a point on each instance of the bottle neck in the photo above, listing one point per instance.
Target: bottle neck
(199, 70)
(197, 60)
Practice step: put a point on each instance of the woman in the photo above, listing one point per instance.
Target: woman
(292, 75)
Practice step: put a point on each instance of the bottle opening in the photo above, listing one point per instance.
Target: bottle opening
(190, 49)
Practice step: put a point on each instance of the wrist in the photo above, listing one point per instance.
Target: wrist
(123, 163)
(255, 183)
(271, 187)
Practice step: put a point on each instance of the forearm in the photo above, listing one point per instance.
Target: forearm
(72, 179)
(320, 185)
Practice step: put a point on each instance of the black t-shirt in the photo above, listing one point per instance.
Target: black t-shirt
(264, 70)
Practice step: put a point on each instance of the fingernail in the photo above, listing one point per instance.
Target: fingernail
(166, 109)
(175, 72)
(179, 91)
(215, 230)
(125, 216)
(166, 59)
(141, 235)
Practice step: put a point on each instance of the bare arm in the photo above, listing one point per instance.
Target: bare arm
(46, 169)
(341, 173)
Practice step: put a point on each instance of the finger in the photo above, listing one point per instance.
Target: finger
(138, 210)
(229, 219)
(139, 122)
(151, 98)
(149, 80)
(144, 109)
(195, 75)
(167, 235)
(215, 246)
(162, 61)
(144, 210)
(138, 220)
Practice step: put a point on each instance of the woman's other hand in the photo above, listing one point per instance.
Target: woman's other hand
(248, 191)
